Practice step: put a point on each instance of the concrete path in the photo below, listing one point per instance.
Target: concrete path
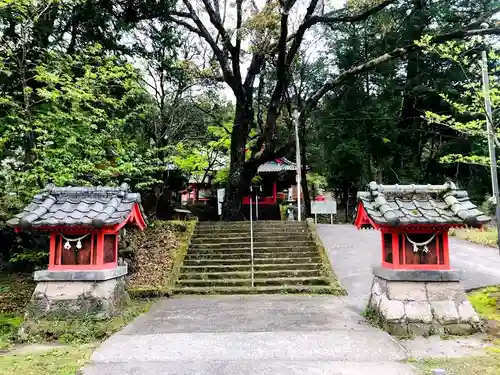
(354, 252)
(284, 335)
(255, 335)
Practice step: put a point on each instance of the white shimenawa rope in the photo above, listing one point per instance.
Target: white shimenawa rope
(78, 241)
(416, 245)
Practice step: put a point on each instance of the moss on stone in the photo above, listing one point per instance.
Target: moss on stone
(157, 255)
(80, 329)
(326, 268)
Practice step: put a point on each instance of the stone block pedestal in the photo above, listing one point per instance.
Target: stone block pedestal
(422, 303)
(63, 294)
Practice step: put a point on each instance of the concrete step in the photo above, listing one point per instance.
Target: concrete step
(245, 226)
(257, 282)
(216, 268)
(246, 267)
(246, 238)
(287, 266)
(237, 245)
(229, 255)
(246, 250)
(247, 222)
(315, 259)
(211, 262)
(308, 289)
(257, 230)
(247, 274)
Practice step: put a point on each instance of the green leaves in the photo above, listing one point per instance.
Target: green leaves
(467, 114)
(79, 120)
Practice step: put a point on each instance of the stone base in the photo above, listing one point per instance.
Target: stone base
(98, 294)
(422, 308)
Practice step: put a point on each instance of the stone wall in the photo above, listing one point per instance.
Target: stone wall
(67, 294)
(423, 308)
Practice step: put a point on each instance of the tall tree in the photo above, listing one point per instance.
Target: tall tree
(268, 35)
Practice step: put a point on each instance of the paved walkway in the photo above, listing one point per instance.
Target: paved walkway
(281, 335)
(255, 335)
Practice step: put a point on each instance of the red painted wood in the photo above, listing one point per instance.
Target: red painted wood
(446, 250)
(52, 250)
(262, 201)
(405, 259)
(362, 219)
(395, 249)
(437, 249)
(100, 249)
(59, 249)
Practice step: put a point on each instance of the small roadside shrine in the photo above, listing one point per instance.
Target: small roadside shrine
(414, 290)
(276, 176)
(84, 224)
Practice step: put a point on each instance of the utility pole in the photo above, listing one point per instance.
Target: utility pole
(296, 117)
(491, 142)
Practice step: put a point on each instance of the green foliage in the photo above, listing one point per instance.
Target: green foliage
(80, 126)
(487, 236)
(484, 302)
(15, 292)
(467, 114)
(82, 330)
(60, 361)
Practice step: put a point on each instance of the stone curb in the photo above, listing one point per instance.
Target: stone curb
(78, 275)
(417, 275)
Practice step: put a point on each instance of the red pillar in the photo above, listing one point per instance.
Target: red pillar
(274, 192)
(52, 250)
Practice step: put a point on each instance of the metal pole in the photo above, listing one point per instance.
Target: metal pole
(257, 207)
(491, 142)
(251, 235)
(296, 117)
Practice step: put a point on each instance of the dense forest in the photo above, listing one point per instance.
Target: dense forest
(101, 92)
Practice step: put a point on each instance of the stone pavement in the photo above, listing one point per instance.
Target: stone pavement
(286, 334)
(354, 252)
(243, 335)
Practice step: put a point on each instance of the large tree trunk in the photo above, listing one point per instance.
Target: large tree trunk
(239, 176)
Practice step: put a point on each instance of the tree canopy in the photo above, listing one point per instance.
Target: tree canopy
(102, 92)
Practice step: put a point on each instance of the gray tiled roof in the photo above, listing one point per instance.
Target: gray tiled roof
(78, 206)
(420, 204)
(278, 165)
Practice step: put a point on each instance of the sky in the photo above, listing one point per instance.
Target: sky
(296, 15)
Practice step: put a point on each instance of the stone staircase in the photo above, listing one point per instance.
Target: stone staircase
(286, 260)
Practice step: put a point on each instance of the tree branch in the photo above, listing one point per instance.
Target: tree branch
(299, 35)
(329, 18)
(216, 21)
(202, 31)
(394, 54)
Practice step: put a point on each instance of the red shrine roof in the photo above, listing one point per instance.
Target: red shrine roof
(396, 205)
(81, 207)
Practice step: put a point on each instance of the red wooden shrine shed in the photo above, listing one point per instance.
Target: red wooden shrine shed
(83, 222)
(272, 184)
(414, 221)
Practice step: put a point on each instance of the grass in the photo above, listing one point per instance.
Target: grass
(82, 330)
(326, 268)
(486, 236)
(478, 365)
(15, 292)
(485, 303)
(63, 361)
